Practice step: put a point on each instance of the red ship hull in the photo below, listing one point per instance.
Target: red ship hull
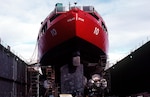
(70, 31)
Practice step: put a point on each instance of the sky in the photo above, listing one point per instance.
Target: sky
(127, 21)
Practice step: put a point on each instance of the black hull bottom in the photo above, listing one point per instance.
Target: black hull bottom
(61, 54)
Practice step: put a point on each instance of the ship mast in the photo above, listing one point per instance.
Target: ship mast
(69, 6)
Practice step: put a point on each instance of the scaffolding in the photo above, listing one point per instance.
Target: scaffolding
(34, 81)
(50, 76)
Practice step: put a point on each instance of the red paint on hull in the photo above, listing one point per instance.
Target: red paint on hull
(67, 25)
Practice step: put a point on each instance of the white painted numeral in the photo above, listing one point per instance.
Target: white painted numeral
(96, 31)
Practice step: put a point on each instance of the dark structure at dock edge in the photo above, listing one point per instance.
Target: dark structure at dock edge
(130, 76)
(13, 77)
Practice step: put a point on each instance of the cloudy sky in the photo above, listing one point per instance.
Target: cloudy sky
(128, 23)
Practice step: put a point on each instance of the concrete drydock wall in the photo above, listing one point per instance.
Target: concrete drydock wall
(131, 75)
(12, 74)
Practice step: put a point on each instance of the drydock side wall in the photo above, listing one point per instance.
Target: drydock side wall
(12, 74)
(131, 75)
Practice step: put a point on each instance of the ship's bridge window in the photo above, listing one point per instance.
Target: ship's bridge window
(59, 7)
(88, 8)
(79, 7)
(104, 27)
